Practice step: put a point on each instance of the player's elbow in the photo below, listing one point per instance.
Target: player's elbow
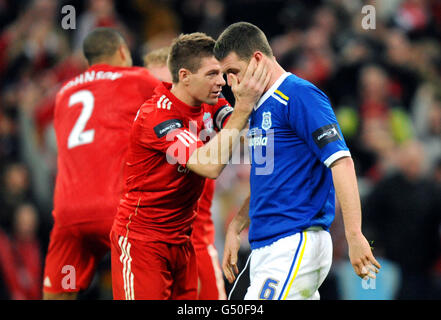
(212, 175)
(214, 172)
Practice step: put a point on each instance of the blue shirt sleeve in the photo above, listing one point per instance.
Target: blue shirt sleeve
(311, 117)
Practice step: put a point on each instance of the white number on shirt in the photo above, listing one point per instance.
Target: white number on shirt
(78, 136)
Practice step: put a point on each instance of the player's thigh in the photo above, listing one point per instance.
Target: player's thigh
(210, 280)
(185, 273)
(140, 270)
(287, 269)
(72, 258)
(325, 252)
(270, 267)
(313, 267)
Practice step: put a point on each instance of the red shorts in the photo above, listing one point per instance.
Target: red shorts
(152, 270)
(210, 280)
(73, 255)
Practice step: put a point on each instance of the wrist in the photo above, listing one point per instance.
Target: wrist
(351, 234)
(237, 120)
(236, 227)
(243, 107)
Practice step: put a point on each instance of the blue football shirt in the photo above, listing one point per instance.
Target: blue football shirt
(293, 138)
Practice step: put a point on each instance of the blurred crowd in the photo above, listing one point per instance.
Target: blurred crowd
(384, 85)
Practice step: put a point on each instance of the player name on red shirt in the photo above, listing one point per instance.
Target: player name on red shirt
(93, 116)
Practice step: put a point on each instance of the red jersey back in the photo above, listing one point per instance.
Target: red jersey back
(93, 116)
(161, 196)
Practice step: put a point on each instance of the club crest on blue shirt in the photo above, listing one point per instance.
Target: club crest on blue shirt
(266, 120)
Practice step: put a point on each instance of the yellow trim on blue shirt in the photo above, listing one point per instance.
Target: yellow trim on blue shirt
(282, 95)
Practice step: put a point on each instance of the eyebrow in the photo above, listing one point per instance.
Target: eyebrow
(213, 70)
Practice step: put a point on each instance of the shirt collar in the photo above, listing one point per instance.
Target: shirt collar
(271, 90)
(164, 89)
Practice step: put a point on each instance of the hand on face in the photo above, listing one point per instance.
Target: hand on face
(249, 90)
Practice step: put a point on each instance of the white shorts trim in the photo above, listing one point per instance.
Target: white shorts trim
(126, 260)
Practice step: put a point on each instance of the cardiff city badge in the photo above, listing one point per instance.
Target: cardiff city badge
(266, 120)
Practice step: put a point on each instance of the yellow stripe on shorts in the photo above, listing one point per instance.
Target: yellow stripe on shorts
(297, 268)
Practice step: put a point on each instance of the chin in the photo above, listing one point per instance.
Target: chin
(212, 101)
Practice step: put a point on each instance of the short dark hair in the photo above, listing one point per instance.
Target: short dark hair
(186, 52)
(242, 38)
(101, 43)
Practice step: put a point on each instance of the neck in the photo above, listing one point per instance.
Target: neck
(111, 61)
(276, 72)
(179, 91)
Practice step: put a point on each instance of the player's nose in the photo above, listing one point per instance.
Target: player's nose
(220, 81)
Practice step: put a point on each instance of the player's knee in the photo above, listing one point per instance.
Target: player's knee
(60, 296)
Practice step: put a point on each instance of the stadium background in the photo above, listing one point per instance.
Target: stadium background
(384, 85)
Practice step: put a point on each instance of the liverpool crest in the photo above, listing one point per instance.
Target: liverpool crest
(208, 121)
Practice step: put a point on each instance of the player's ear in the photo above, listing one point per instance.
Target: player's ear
(258, 56)
(122, 53)
(184, 76)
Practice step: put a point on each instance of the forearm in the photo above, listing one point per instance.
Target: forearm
(360, 253)
(346, 189)
(210, 159)
(242, 219)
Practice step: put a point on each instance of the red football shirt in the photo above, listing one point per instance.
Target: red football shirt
(160, 201)
(93, 116)
(203, 226)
